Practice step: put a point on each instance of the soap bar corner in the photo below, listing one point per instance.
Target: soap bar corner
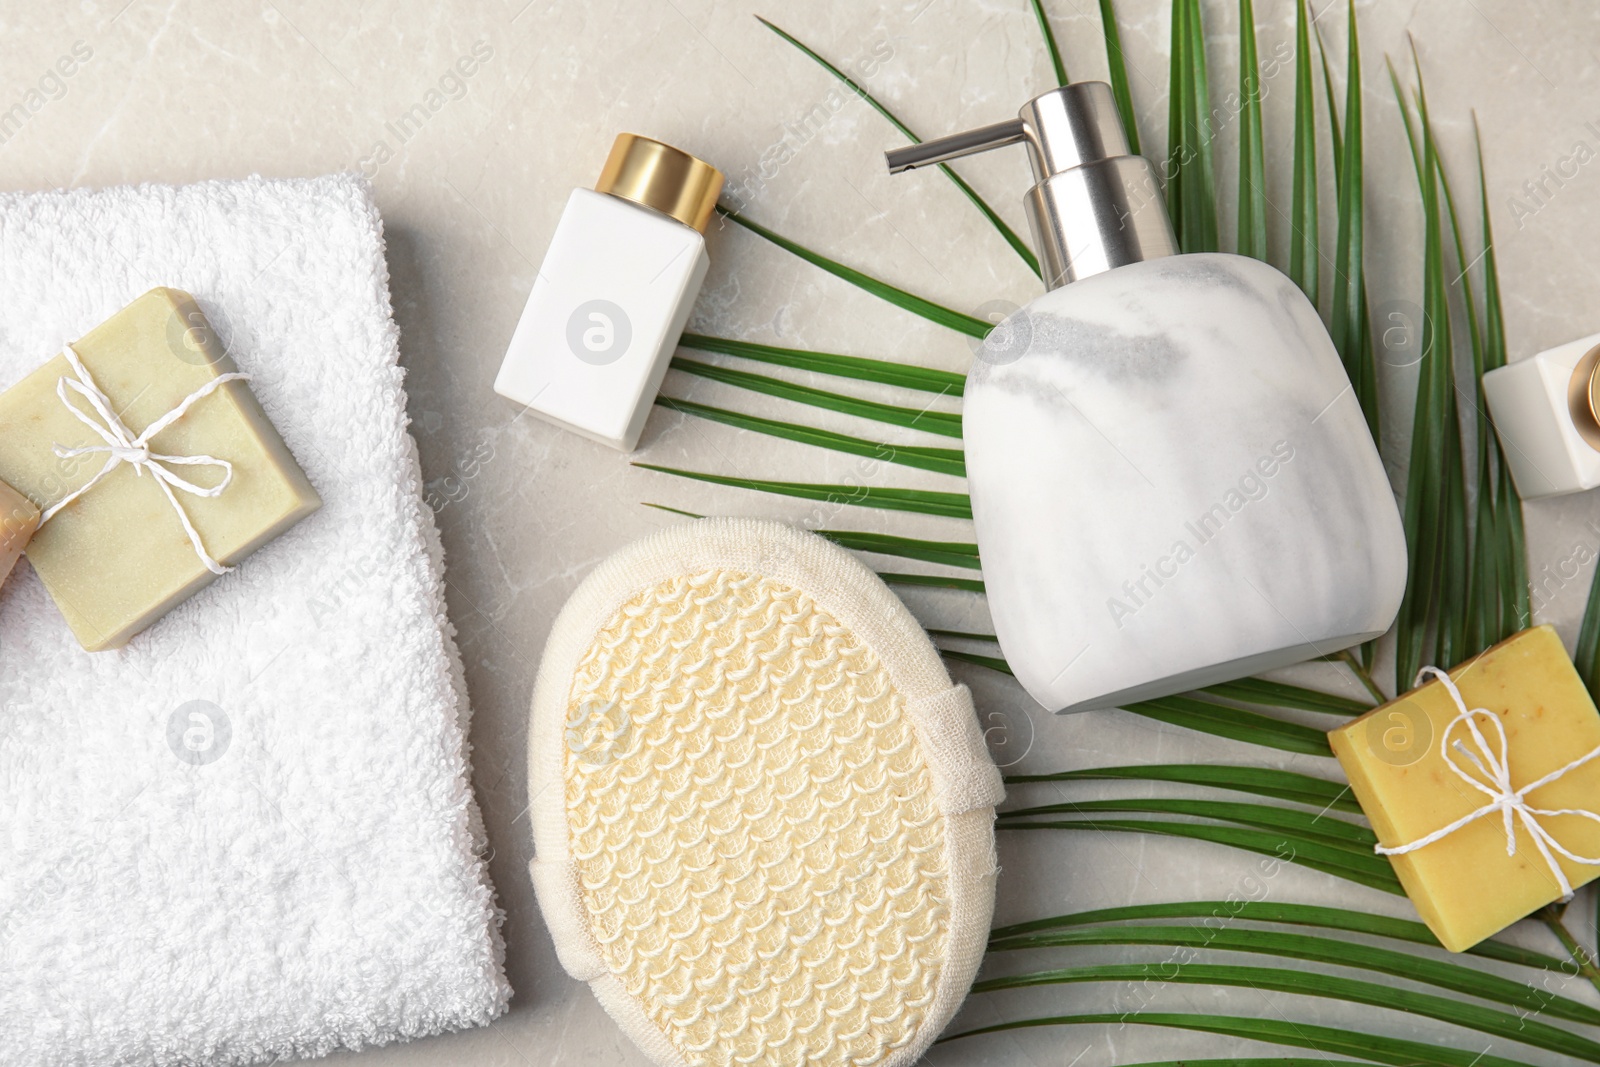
(19, 518)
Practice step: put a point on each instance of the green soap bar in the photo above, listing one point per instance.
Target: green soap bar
(117, 559)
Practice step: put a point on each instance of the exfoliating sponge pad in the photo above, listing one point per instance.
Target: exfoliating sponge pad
(763, 816)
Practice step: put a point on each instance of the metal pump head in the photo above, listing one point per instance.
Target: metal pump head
(1094, 206)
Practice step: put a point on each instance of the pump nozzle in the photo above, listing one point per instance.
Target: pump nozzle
(1094, 205)
(944, 149)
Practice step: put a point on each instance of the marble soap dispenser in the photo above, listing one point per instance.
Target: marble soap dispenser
(1172, 481)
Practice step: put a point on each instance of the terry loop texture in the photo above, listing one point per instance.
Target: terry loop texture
(297, 869)
(763, 814)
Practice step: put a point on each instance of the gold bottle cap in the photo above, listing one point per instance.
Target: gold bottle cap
(661, 177)
(1583, 397)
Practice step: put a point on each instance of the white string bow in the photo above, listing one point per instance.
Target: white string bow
(1495, 783)
(121, 446)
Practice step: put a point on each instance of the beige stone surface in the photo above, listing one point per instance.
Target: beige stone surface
(471, 171)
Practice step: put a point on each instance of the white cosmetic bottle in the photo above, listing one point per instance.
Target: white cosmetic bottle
(1172, 481)
(614, 293)
(1546, 411)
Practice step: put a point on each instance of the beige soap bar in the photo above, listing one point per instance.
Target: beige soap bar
(1464, 886)
(18, 519)
(117, 558)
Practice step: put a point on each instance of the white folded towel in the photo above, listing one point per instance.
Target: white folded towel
(293, 865)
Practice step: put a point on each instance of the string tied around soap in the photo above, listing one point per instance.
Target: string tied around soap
(1493, 780)
(123, 446)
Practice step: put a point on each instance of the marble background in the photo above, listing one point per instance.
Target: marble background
(180, 91)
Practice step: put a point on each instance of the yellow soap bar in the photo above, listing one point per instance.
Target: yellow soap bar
(18, 519)
(1464, 885)
(117, 558)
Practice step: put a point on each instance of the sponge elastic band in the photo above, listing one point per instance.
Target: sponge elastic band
(762, 813)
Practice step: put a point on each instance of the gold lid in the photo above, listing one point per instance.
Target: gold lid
(661, 177)
(1583, 397)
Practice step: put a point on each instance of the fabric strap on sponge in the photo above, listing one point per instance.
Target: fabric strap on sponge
(964, 777)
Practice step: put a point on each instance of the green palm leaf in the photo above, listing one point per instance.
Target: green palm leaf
(1272, 694)
(1303, 244)
(1049, 36)
(1328, 97)
(1512, 566)
(1235, 724)
(1351, 864)
(1586, 656)
(1582, 962)
(1397, 1052)
(953, 553)
(1525, 1030)
(933, 581)
(922, 501)
(1252, 162)
(1264, 911)
(950, 553)
(994, 663)
(964, 635)
(1311, 827)
(674, 511)
(1490, 542)
(1117, 68)
(1360, 665)
(1010, 235)
(862, 368)
(1253, 1061)
(1350, 323)
(1451, 621)
(1222, 720)
(1191, 181)
(1435, 500)
(1260, 781)
(940, 460)
(936, 313)
(944, 423)
(1498, 575)
(1468, 981)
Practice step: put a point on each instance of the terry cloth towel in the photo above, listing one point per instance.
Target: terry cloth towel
(251, 833)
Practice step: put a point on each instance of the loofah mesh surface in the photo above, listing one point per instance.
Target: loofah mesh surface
(759, 852)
